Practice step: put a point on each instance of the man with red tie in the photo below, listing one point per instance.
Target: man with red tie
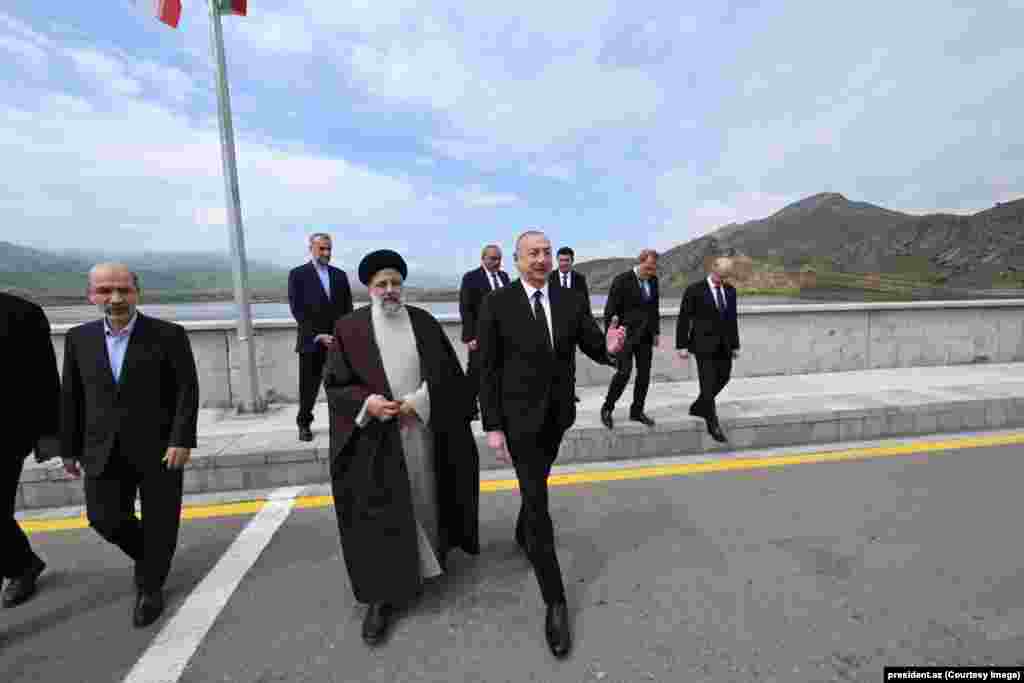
(708, 328)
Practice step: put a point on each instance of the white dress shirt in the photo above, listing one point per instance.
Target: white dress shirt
(117, 343)
(545, 303)
(493, 279)
(325, 277)
(565, 279)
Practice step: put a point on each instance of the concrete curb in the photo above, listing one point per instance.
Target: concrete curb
(269, 460)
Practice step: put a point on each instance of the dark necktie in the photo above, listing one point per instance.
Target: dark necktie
(720, 300)
(565, 280)
(494, 276)
(538, 313)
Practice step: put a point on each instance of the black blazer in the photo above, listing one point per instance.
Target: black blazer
(521, 377)
(641, 319)
(475, 286)
(30, 405)
(577, 281)
(700, 327)
(155, 404)
(312, 310)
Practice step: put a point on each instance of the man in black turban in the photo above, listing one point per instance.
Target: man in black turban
(404, 463)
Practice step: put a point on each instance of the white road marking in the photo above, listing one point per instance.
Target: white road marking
(169, 653)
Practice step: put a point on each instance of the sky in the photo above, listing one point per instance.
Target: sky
(436, 126)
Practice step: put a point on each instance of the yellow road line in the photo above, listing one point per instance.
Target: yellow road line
(597, 476)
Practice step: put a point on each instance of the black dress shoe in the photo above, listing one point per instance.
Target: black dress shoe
(576, 399)
(642, 418)
(556, 629)
(715, 430)
(20, 589)
(606, 418)
(148, 607)
(305, 434)
(375, 624)
(696, 412)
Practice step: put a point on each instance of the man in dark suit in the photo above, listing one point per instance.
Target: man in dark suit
(633, 299)
(318, 294)
(528, 332)
(708, 328)
(130, 402)
(566, 277)
(476, 284)
(31, 413)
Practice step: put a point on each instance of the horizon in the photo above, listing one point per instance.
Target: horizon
(610, 126)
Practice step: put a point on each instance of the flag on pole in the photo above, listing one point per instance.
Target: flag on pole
(167, 11)
(233, 7)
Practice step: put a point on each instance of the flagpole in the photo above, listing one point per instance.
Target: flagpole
(249, 400)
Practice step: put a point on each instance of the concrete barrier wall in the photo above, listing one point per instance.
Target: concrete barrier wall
(776, 340)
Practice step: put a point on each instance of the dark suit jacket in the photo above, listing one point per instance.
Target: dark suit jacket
(155, 404)
(476, 285)
(578, 282)
(521, 378)
(700, 327)
(312, 310)
(641, 319)
(30, 404)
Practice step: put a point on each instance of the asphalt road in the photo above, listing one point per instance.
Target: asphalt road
(810, 572)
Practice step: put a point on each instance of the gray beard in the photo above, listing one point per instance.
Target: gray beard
(387, 307)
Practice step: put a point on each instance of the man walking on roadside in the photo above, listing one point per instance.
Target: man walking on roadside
(528, 333)
(634, 299)
(318, 294)
(31, 416)
(708, 328)
(130, 404)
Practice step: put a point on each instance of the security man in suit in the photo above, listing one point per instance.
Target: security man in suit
(633, 298)
(708, 328)
(566, 276)
(30, 410)
(318, 294)
(476, 284)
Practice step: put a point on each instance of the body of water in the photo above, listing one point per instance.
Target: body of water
(227, 310)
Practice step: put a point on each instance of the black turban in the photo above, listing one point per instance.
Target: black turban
(379, 260)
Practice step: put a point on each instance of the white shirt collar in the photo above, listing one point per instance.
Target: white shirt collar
(127, 330)
(530, 289)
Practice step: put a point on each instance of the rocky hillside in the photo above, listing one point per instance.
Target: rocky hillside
(831, 234)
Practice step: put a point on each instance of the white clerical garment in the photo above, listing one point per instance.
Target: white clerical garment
(401, 361)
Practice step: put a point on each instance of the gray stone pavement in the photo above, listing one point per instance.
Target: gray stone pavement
(245, 452)
(816, 572)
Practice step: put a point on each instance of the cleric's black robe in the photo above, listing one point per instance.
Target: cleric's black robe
(369, 478)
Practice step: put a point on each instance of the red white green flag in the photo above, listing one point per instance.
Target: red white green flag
(233, 7)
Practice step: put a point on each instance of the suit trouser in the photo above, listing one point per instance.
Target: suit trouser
(16, 552)
(473, 376)
(713, 372)
(533, 455)
(110, 506)
(311, 368)
(643, 352)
